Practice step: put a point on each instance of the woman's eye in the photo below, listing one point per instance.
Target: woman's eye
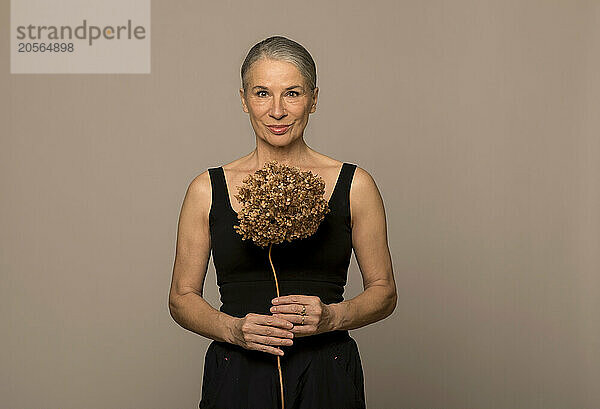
(265, 93)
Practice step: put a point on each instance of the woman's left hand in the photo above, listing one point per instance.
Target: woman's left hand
(318, 318)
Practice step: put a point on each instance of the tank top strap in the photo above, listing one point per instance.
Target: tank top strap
(218, 185)
(341, 192)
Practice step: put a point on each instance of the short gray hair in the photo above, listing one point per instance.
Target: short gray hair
(281, 49)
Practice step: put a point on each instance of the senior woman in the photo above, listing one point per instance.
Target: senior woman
(307, 326)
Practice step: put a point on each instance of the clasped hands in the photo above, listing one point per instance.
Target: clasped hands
(266, 332)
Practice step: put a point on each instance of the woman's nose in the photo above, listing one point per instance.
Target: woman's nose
(277, 108)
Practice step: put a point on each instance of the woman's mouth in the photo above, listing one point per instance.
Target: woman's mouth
(278, 129)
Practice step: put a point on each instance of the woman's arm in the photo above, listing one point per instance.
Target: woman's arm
(369, 240)
(186, 304)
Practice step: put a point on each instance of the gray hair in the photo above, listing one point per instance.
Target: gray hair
(281, 49)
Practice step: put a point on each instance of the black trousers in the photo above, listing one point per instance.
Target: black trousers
(322, 371)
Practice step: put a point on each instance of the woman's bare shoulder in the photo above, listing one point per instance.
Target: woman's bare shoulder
(201, 184)
(363, 185)
(199, 194)
(365, 198)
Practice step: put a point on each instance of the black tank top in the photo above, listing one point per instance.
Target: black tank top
(316, 265)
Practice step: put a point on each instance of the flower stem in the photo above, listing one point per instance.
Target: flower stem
(278, 360)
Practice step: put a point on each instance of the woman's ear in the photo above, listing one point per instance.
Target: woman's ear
(313, 106)
(243, 98)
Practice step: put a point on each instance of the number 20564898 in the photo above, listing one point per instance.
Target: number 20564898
(46, 47)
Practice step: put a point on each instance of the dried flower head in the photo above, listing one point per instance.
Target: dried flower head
(280, 202)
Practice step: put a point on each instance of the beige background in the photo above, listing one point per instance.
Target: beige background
(477, 119)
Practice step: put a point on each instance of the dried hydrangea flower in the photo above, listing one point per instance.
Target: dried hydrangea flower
(280, 202)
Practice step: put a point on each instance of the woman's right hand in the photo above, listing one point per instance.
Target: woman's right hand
(262, 333)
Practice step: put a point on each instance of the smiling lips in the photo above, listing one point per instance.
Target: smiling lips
(278, 129)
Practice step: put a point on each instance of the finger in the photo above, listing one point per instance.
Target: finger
(304, 330)
(271, 321)
(265, 348)
(272, 331)
(297, 320)
(291, 308)
(294, 299)
(268, 340)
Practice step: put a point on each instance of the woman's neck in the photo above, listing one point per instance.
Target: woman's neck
(295, 154)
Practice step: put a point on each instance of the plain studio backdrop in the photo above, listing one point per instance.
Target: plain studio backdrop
(477, 119)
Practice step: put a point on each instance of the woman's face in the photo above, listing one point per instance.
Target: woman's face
(278, 101)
